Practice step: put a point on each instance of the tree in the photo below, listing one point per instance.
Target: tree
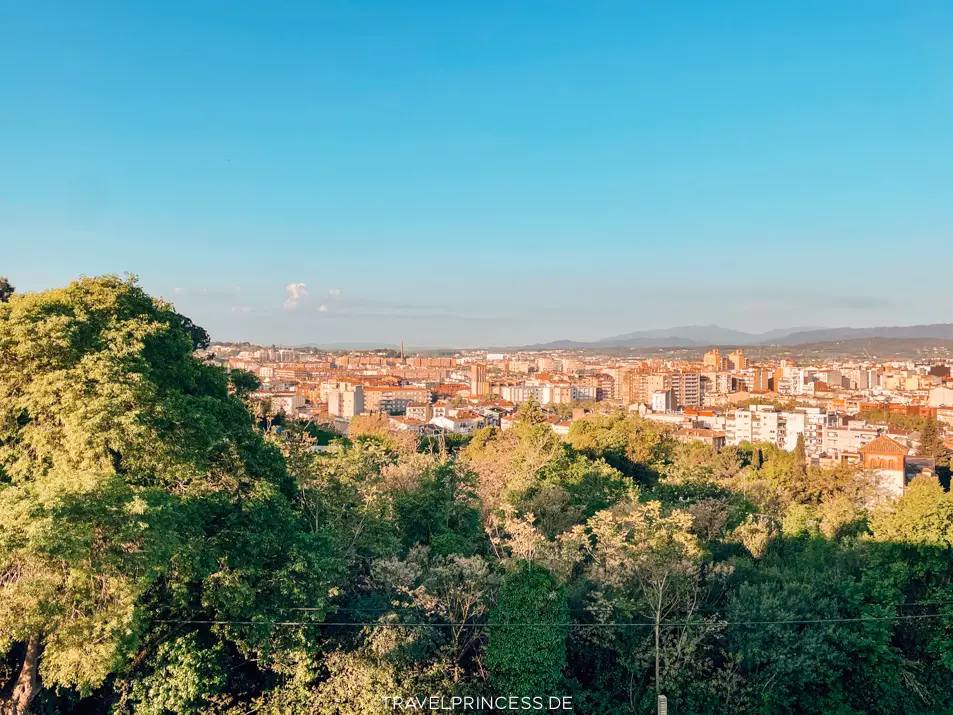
(931, 441)
(634, 446)
(131, 484)
(375, 423)
(243, 383)
(756, 457)
(526, 653)
(800, 453)
(923, 516)
(645, 563)
(6, 289)
(455, 592)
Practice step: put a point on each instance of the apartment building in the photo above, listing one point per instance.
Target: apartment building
(761, 380)
(720, 383)
(422, 411)
(838, 439)
(638, 386)
(460, 423)
(346, 403)
(393, 399)
(687, 389)
(736, 361)
(478, 384)
(758, 423)
(280, 401)
(713, 361)
(662, 401)
(809, 422)
(544, 393)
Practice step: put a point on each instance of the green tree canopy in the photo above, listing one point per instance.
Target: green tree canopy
(129, 477)
(526, 653)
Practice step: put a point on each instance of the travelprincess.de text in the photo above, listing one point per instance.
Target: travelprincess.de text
(427, 703)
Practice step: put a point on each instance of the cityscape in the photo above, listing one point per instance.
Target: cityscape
(847, 411)
(476, 358)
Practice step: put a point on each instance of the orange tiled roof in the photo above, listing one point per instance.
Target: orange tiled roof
(883, 445)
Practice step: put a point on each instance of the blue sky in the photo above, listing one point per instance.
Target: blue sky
(460, 173)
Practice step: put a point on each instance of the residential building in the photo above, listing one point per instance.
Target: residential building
(712, 360)
(284, 402)
(662, 401)
(839, 439)
(716, 440)
(687, 389)
(736, 361)
(478, 383)
(761, 380)
(940, 397)
(393, 399)
(758, 423)
(422, 411)
(346, 403)
(460, 423)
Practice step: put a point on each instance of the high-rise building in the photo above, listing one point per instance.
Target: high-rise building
(712, 360)
(638, 386)
(478, 384)
(761, 380)
(737, 360)
(687, 389)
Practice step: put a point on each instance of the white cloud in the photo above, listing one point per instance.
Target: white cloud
(334, 291)
(297, 292)
(241, 309)
(323, 309)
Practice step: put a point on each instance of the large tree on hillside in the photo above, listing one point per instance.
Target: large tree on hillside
(131, 482)
(6, 289)
(931, 441)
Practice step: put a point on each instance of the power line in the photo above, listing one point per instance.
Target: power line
(394, 609)
(664, 624)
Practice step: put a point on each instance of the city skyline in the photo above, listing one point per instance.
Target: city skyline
(491, 174)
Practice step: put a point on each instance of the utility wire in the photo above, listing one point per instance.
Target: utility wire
(664, 624)
(394, 609)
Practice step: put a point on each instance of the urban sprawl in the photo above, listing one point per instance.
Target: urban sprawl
(838, 412)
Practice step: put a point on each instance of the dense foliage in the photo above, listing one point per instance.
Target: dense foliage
(162, 553)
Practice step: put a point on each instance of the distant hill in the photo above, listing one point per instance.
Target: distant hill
(691, 336)
(880, 348)
(695, 335)
(685, 335)
(941, 331)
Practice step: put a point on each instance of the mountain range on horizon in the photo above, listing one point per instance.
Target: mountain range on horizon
(713, 335)
(690, 336)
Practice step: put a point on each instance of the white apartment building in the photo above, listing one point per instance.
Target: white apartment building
(286, 402)
(662, 401)
(758, 423)
(583, 393)
(762, 423)
(346, 403)
(941, 397)
(460, 423)
(849, 438)
(807, 421)
(545, 394)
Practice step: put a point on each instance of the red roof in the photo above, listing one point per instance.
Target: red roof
(883, 445)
